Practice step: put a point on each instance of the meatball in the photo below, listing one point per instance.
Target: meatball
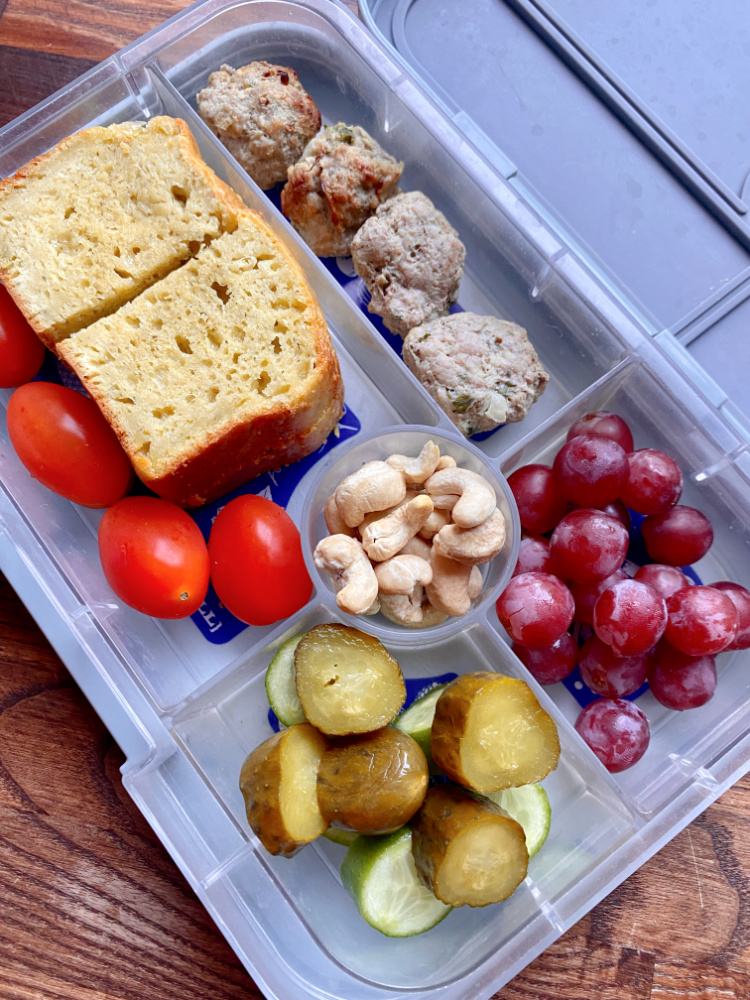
(411, 259)
(342, 177)
(481, 370)
(263, 115)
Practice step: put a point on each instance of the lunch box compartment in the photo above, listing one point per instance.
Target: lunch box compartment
(221, 725)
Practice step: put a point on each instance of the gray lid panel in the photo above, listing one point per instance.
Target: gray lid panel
(623, 123)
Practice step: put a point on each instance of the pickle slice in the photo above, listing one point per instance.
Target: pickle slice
(278, 781)
(468, 852)
(490, 732)
(373, 782)
(347, 681)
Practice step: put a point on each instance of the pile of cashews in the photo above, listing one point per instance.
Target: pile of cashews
(408, 536)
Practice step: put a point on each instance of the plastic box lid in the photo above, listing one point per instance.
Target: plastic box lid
(625, 125)
(186, 699)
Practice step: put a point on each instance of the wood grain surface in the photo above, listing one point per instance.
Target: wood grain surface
(91, 906)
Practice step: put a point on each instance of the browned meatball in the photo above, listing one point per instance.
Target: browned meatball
(411, 259)
(481, 370)
(263, 115)
(340, 180)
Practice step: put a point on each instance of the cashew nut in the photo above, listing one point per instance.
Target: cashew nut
(344, 560)
(446, 462)
(468, 496)
(431, 615)
(402, 574)
(376, 486)
(472, 545)
(417, 470)
(476, 582)
(376, 515)
(388, 535)
(404, 609)
(407, 610)
(449, 590)
(417, 547)
(334, 521)
(437, 520)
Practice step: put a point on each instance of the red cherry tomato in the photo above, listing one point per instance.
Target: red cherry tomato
(257, 567)
(154, 557)
(65, 442)
(21, 351)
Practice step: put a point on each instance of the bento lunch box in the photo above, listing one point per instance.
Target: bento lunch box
(186, 701)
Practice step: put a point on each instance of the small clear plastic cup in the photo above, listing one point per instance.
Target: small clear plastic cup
(409, 440)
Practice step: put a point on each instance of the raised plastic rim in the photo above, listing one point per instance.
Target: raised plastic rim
(342, 456)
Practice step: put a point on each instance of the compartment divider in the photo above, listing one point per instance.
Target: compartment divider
(592, 398)
(269, 641)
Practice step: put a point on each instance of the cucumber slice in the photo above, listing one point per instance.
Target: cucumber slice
(344, 837)
(379, 874)
(281, 689)
(529, 806)
(416, 721)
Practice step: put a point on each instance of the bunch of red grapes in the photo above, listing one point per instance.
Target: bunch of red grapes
(656, 626)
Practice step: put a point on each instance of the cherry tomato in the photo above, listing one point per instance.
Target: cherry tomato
(154, 557)
(21, 351)
(65, 442)
(257, 567)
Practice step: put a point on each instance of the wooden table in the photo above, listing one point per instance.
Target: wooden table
(91, 906)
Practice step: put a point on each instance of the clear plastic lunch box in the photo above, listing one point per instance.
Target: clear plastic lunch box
(186, 700)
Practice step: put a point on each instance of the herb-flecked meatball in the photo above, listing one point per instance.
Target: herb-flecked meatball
(263, 115)
(340, 180)
(481, 370)
(411, 259)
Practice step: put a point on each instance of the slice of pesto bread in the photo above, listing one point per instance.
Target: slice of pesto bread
(107, 212)
(220, 371)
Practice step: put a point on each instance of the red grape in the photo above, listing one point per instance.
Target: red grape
(616, 730)
(540, 501)
(603, 424)
(588, 545)
(587, 594)
(552, 664)
(533, 556)
(619, 512)
(702, 621)
(740, 597)
(610, 675)
(535, 609)
(654, 482)
(666, 579)
(630, 617)
(591, 470)
(678, 537)
(679, 681)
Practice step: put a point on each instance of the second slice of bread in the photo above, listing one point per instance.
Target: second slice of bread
(220, 371)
